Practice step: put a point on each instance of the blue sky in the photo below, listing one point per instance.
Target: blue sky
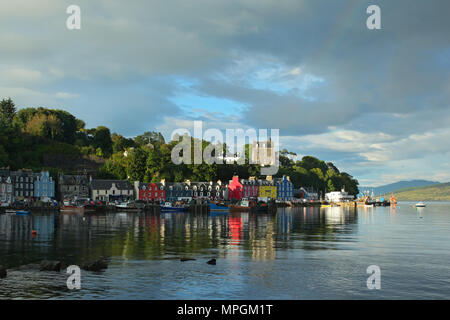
(376, 103)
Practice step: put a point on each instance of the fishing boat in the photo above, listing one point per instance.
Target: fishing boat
(168, 207)
(243, 205)
(393, 200)
(420, 205)
(216, 207)
(68, 206)
(123, 205)
(262, 207)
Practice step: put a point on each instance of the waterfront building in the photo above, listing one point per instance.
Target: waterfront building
(251, 188)
(300, 193)
(235, 189)
(6, 190)
(23, 181)
(150, 191)
(200, 190)
(178, 191)
(285, 189)
(73, 187)
(111, 190)
(44, 186)
(310, 194)
(338, 196)
(217, 190)
(267, 189)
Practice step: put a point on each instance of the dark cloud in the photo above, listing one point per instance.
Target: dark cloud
(305, 67)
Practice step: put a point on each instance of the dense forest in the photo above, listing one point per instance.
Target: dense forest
(27, 135)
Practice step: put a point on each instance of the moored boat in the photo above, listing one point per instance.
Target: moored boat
(243, 205)
(420, 205)
(262, 207)
(216, 207)
(123, 205)
(22, 212)
(71, 207)
(168, 207)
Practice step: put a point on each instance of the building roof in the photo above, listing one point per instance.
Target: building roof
(107, 184)
(73, 179)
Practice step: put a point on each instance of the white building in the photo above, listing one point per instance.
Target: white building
(338, 196)
(111, 190)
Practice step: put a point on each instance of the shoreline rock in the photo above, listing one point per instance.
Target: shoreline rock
(187, 259)
(97, 265)
(47, 265)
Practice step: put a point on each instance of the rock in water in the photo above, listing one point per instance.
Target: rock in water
(212, 261)
(31, 266)
(95, 266)
(3, 272)
(50, 265)
(186, 259)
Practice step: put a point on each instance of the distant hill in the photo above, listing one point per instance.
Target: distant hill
(389, 188)
(433, 192)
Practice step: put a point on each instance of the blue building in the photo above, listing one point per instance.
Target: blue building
(285, 189)
(44, 186)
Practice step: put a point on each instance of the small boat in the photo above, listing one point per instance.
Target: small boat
(262, 207)
(216, 207)
(22, 213)
(243, 205)
(420, 205)
(123, 205)
(71, 207)
(168, 207)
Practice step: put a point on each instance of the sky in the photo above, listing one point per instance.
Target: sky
(374, 102)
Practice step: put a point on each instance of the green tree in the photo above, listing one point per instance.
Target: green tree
(120, 143)
(136, 164)
(102, 140)
(7, 112)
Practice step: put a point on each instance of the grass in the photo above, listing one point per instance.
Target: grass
(435, 192)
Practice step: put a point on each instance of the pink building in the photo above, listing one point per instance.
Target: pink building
(251, 188)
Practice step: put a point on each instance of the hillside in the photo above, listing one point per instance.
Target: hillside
(434, 192)
(400, 185)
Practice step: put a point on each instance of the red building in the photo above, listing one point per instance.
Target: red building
(235, 189)
(152, 192)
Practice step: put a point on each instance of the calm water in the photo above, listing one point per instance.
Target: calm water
(302, 253)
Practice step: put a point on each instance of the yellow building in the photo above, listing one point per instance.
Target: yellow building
(268, 191)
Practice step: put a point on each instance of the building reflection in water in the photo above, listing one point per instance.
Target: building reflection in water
(138, 236)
